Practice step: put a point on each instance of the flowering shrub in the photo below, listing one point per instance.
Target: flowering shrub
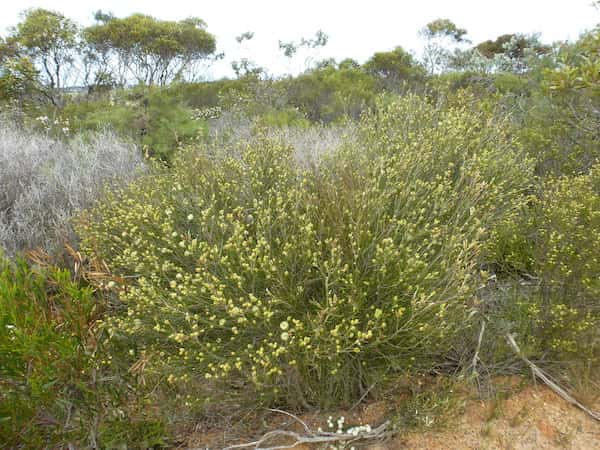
(556, 240)
(568, 262)
(568, 258)
(306, 286)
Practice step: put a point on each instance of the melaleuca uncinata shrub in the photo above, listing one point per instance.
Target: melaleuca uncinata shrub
(247, 274)
(568, 258)
(567, 262)
(554, 243)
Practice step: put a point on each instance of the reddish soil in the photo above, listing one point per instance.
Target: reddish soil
(532, 417)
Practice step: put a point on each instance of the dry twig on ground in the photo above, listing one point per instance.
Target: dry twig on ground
(311, 437)
(549, 382)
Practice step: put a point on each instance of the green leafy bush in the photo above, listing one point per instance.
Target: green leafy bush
(157, 119)
(58, 387)
(305, 287)
(330, 93)
(45, 355)
(561, 133)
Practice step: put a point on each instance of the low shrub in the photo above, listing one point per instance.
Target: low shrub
(568, 254)
(561, 132)
(45, 181)
(158, 120)
(58, 385)
(552, 245)
(252, 276)
(567, 263)
(330, 94)
(46, 354)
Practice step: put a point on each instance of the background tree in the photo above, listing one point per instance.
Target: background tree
(393, 67)
(444, 28)
(291, 48)
(100, 68)
(149, 50)
(516, 53)
(245, 66)
(348, 63)
(18, 79)
(51, 42)
(440, 35)
(514, 50)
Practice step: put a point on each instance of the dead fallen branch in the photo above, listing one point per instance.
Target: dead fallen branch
(312, 437)
(549, 382)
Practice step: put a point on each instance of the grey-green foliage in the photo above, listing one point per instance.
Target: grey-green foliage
(45, 182)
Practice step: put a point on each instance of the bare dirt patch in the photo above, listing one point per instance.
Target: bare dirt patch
(532, 417)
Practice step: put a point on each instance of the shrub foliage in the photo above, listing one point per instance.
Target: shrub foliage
(45, 358)
(45, 181)
(307, 286)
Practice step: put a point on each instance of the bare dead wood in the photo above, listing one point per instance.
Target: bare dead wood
(539, 373)
(479, 341)
(311, 437)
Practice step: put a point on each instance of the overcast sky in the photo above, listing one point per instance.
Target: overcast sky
(356, 29)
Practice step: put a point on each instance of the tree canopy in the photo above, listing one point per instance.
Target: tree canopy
(513, 45)
(49, 40)
(444, 28)
(396, 64)
(151, 51)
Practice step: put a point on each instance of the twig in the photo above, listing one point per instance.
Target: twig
(476, 356)
(312, 438)
(546, 379)
(359, 401)
(296, 418)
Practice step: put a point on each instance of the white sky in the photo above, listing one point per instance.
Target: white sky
(356, 29)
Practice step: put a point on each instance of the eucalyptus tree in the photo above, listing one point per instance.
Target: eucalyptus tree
(18, 75)
(439, 35)
(245, 66)
(310, 47)
(50, 42)
(149, 51)
(516, 53)
(394, 67)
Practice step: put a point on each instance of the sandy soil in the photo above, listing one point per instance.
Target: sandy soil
(530, 418)
(534, 418)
